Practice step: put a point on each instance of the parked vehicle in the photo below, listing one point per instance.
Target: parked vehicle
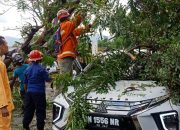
(132, 105)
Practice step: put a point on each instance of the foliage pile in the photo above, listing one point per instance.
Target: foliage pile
(101, 77)
(151, 25)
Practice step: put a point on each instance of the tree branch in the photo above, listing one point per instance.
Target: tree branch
(25, 47)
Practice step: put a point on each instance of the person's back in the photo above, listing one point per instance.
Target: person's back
(35, 77)
(69, 32)
(19, 72)
(35, 100)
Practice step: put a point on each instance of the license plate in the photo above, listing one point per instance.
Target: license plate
(100, 121)
(104, 121)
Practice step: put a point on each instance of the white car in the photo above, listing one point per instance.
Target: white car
(53, 69)
(132, 105)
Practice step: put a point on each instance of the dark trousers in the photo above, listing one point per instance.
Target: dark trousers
(23, 99)
(34, 102)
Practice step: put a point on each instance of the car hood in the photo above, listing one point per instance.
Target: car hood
(128, 90)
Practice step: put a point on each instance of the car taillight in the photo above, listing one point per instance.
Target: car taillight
(167, 120)
(57, 112)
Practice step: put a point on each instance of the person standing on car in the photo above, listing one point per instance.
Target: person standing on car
(18, 62)
(6, 104)
(35, 98)
(69, 33)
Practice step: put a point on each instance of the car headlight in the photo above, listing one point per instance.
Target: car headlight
(167, 120)
(57, 112)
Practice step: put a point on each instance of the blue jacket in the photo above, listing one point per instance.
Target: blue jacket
(35, 78)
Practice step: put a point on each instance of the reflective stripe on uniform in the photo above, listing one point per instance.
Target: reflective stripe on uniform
(66, 52)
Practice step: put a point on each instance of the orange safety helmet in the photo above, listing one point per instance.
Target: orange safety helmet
(63, 13)
(35, 55)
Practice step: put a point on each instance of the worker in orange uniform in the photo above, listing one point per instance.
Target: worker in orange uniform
(6, 104)
(69, 32)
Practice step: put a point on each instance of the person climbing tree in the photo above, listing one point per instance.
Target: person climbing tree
(69, 32)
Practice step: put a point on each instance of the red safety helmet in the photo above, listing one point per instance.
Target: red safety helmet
(35, 55)
(63, 13)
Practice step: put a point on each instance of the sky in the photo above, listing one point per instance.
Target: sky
(9, 21)
(12, 21)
